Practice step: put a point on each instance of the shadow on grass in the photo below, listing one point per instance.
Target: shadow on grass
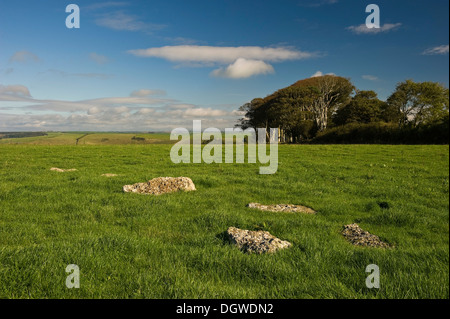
(223, 238)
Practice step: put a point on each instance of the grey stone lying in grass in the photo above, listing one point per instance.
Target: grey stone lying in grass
(359, 237)
(282, 208)
(109, 175)
(161, 185)
(60, 170)
(258, 242)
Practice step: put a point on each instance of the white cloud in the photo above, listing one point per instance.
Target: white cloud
(243, 68)
(320, 73)
(370, 77)
(363, 29)
(94, 110)
(139, 111)
(98, 58)
(203, 112)
(235, 62)
(122, 21)
(210, 54)
(439, 50)
(121, 109)
(24, 56)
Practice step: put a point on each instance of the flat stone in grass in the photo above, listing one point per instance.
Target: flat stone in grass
(282, 208)
(359, 237)
(258, 242)
(60, 170)
(161, 185)
(109, 175)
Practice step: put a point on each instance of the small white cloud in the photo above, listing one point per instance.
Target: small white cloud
(98, 58)
(243, 68)
(439, 50)
(320, 73)
(363, 29)
(370, 77)
(24, 56)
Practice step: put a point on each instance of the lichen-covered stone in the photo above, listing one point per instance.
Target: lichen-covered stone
(283, 208)
(359, 237)
(258, 242)
(161, 185)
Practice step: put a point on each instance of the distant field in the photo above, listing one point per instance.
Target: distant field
(87, 138)
(172, 246)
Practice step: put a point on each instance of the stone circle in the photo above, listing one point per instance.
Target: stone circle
(258, 242)
(282, 208)
(161, 185)
(359, 237)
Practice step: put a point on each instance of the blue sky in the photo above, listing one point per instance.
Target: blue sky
(156, 65)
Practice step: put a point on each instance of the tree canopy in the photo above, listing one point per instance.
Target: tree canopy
(365, 107)
(313, 105)
(420, 103)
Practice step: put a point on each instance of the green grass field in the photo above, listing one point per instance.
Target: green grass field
(90, 138)
(172, 246)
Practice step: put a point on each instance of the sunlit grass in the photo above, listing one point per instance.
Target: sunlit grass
(172, 246)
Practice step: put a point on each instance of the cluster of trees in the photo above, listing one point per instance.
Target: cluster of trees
(21, 134)
(330, 109)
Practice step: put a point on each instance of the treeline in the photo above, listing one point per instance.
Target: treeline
(329, 109)
(21, 134)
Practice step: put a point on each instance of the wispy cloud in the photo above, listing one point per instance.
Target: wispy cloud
(7, 71)
(147, 93)
(370, 77)
(439, 50)
(101, 76)
(142, 110)
(98, 58)
(120, 20)
(15, 90)
(182, 41)
(363, 29)
(104, 5)
(24, 56)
